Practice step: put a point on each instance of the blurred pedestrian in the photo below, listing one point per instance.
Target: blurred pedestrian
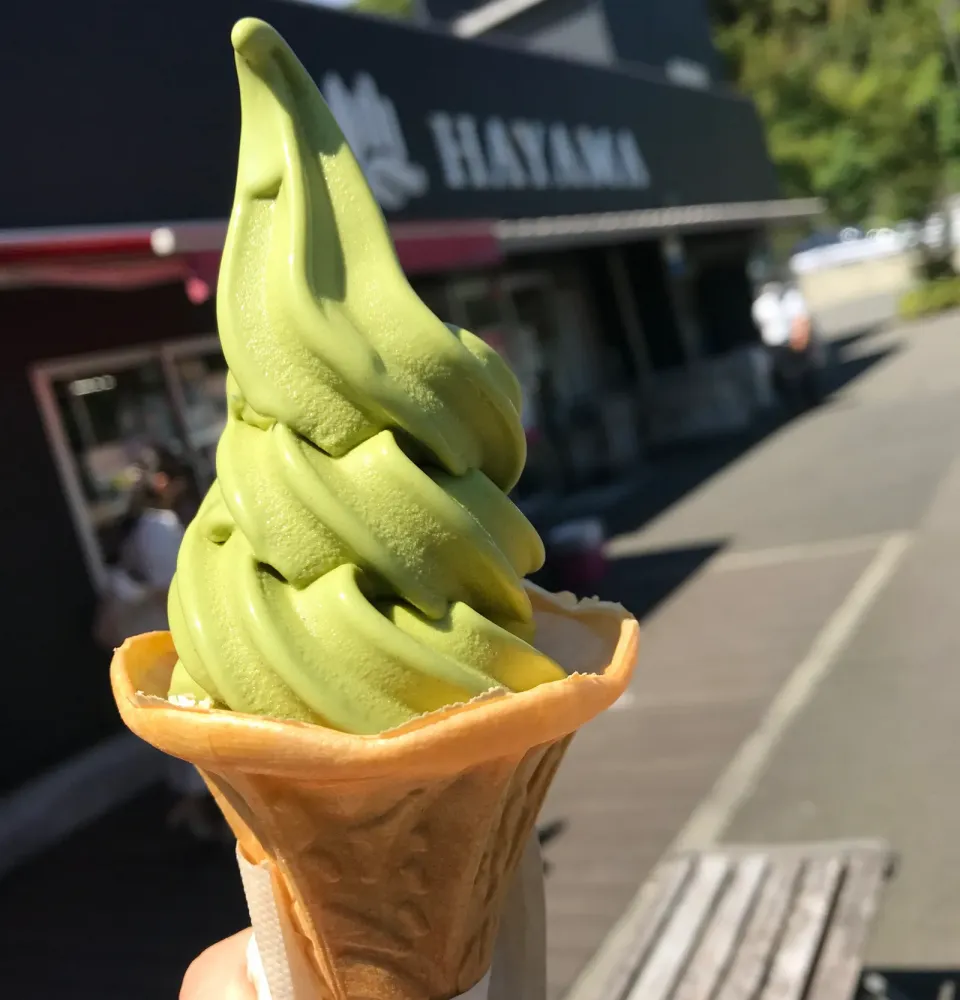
(787, 330)
(139, 572)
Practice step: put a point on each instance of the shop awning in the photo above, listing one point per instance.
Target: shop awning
(422, 247)
(520, 235)
(136, 257)
(108, 257)
(135, 119)
(439, 247)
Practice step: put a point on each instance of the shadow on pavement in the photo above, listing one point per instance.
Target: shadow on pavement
(908, 984)
(118, 911)
(837, 346)
(845, 370)
(641, 583)
(671, 473)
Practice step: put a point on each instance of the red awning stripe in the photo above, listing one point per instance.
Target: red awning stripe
(421, 247)
(41, 244)
(93, 272)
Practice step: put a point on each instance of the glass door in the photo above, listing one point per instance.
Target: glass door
(533, 304)
(101, 412)
(511, 313)
(198, 379)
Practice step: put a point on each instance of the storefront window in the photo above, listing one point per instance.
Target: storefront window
(202, 379)
(102, 412)
(433, 294)
(482, 309)
(108, 417)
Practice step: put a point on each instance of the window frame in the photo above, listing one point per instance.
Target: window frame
(44, 374)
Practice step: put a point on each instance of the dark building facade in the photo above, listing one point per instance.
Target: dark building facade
(590, 223)
(672, 38)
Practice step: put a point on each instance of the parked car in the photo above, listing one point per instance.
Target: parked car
(817, 240)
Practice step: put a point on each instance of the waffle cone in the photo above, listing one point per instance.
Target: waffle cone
(391, 855)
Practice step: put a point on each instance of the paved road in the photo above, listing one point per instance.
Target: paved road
(802, 618)
(876, 750)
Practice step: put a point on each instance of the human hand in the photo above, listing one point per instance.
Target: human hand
(800, 334)
(220, 973)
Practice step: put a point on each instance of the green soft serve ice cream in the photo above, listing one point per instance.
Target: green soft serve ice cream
(357, 561)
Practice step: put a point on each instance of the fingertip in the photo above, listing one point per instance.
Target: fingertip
(220, 972)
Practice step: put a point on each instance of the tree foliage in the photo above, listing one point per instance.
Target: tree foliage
(859, 98)
(386, 8)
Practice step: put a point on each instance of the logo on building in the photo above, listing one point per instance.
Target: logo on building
(371, 126)
(481, 154)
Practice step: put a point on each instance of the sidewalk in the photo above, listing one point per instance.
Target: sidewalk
(710, 664)
(876, 751)
(116, 912)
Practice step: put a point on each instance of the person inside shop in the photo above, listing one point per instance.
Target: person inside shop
(787, 331)
(140, 568)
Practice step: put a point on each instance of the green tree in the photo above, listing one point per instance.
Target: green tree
(859, 98)
(386, 8)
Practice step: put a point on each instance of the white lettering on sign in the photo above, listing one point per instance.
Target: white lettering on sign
(490, 154)
(466, 131)
(568, 171)
(528, 154)
(632, 159)
(449, 152)
(506, 170)
(531, 138)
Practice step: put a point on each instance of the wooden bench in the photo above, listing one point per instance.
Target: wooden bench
(756, 922)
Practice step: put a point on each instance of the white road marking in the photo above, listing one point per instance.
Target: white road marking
(751, 559)
(740, 779)
(626, 546)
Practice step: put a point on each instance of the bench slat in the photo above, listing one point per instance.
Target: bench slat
(762, 933)
(716, 949)
(748, 922)
(793, 963)
(839, 966)
(659, 976)
(635, 936)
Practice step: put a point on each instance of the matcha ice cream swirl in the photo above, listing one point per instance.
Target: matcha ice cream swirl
(357, 561)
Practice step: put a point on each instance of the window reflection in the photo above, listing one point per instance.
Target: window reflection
(203, 385)
(109, 416)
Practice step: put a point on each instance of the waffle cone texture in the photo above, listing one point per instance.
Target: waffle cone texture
(391, 855)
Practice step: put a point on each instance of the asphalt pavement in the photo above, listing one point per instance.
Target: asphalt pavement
(875, 752)
(798, 670)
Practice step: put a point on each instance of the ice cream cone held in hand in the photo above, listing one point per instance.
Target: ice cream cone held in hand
(375, 696)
